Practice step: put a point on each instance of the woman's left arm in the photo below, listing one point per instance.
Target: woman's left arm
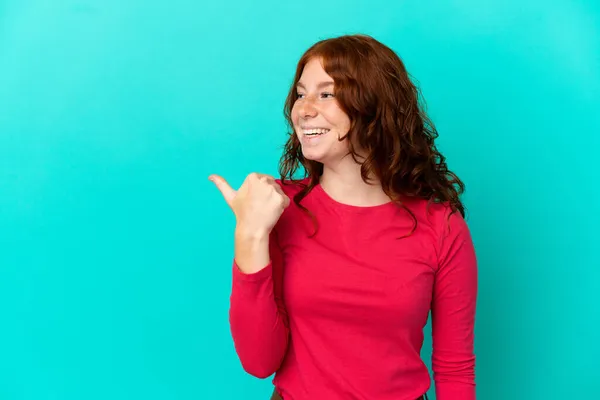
(453, 312)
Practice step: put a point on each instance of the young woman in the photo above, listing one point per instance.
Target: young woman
(335, 272)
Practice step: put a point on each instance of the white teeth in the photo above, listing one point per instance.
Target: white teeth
(318, 131)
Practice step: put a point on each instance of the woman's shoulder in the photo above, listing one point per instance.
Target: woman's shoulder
(292, 186)
(437, 214)
(291, 217)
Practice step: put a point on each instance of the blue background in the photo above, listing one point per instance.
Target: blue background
(115, 250)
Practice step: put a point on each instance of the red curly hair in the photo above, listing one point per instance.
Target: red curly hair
(388, 123)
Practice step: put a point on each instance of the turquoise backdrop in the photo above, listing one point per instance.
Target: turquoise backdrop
(115, 250)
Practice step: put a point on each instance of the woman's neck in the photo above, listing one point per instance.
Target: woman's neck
(345, 185)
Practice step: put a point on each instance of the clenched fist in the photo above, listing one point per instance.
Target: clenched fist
(257, 204)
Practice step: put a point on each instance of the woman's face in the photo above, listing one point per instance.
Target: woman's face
(317, 117)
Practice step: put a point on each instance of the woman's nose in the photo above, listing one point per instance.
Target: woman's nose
(307, 108)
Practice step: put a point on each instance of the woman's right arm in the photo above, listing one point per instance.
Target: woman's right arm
(257, 316)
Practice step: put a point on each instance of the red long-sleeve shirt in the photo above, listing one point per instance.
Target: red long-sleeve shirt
(341, 315)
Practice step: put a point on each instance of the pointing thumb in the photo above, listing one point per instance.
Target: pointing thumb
(226, 190)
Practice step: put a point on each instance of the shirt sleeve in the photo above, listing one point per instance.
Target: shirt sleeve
(453, 312)
(257, 315)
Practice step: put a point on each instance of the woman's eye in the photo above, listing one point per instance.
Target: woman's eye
(325, 95)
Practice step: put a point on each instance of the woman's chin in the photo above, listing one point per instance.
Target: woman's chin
(312, 155)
